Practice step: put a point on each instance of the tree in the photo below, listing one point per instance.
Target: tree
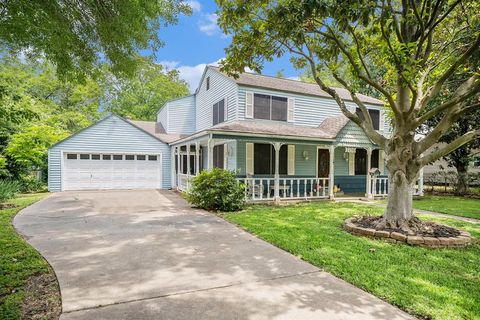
(76, 35)
(420, 44)
(141, 96)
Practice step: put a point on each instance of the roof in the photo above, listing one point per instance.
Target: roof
(276, 129)
(333, 125)
(295, 86)
(156, 129)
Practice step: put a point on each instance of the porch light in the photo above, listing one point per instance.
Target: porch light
(305, 155)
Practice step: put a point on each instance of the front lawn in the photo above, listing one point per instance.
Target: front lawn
(437, 284)
(26, 280)
(457, 206)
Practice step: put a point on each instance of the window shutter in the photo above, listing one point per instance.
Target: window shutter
(381, 161)
(225, 156)
(249, 105)
(351, 163)
(225, 110)
(291, 110)
(291, 160)
(382, 120)
(249, 158)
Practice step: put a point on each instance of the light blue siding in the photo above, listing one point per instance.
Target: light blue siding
(178, 116)
(221, 87)
(309, 110)
(353, 136)
(111, 134)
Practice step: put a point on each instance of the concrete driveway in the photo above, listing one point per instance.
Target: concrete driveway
(148, 255)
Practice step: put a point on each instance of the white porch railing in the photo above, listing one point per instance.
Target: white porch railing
(258, 189)
(379, 187)
(183, 183)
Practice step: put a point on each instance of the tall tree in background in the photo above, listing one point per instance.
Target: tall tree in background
(420, 44)
(142, 96)
(76, 35)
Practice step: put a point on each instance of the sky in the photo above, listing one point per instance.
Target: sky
(197, 41)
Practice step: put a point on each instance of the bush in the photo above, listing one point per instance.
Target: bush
(30, 183)
(8, 189)
(217, 189)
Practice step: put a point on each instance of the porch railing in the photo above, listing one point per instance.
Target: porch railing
(379, 187)
(183, 183)
(258, 189)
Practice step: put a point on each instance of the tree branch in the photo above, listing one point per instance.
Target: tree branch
(455, 144)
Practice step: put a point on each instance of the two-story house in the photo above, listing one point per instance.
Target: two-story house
(285, 139)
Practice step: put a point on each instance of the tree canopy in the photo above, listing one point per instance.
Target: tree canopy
(77, 35)
(416, 45)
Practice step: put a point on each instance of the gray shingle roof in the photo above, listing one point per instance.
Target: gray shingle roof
(274, 129)
(156, 129)
(288, 85)
(333, 125)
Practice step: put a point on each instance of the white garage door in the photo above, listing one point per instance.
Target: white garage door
(111, 171)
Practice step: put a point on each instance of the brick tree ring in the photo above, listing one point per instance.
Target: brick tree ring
(461, 240)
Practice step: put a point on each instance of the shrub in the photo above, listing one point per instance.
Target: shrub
(30, 183)
(217, 189)
(8, 189)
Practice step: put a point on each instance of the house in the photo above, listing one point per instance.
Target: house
(285, 139)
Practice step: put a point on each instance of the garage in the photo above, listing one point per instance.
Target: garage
(113, 153)
(83, 171)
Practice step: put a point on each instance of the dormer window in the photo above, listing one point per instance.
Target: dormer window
(374, 114)
(208, 83)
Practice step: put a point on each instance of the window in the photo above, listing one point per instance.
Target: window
(84, 156)
(71, 156)
(95, 157)
(270, 107)
(129, 157)
(152, 158)
(218, 152)
(264, 159)
(141, 157)
(360, 162)
(375, 155)
(208, 83)
(106, 157)
(374, 114)
(117, 157)
(219, 112)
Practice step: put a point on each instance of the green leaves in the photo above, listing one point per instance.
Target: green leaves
(77, 35)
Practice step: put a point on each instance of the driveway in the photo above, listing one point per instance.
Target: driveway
(149, 255)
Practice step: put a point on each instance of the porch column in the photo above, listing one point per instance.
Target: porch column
(420, 183)
(188, 158)
(172, 168)
(179, 169)
(197, 158)
(369, 165)
(331, 171)
(211, 144)
(276, 195)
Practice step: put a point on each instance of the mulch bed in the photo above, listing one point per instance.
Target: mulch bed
(42, 297)
(418, 227)
(7, 206)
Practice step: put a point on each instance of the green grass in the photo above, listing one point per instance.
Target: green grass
(441, 284)
(457, 206)
(18, 260)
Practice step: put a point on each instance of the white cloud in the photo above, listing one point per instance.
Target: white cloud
(208, 24)
(169, 64)
(195, 5)
(191, 74)
(294, 78)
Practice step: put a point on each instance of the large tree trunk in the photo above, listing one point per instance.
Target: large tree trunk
(462, 181)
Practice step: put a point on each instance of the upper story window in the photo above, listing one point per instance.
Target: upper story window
(270, 107)
(218, 112)
(208, 83)
(374, 114)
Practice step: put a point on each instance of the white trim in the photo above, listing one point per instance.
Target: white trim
(351, 163)
(381, 161)
(249, 106)
(381, 125)
(290, 109)
(291, 159)
(249, 156)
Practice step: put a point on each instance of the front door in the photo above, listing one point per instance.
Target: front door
(323, 163)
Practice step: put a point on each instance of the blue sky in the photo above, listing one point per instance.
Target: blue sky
(197, 41)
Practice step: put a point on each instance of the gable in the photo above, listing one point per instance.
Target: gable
(353, 136)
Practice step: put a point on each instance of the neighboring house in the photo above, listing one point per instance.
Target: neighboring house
(284, 139)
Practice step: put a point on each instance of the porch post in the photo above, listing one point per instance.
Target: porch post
(179, 169)
(188, 158)
(369, 164)
(331, 171)
(197, 158)
(211, 144)
(172, 168)
(277, 146)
